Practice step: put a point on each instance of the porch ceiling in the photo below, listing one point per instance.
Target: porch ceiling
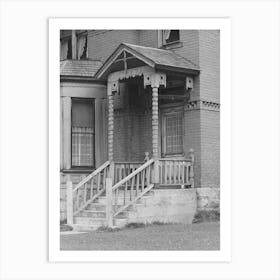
(130, 56)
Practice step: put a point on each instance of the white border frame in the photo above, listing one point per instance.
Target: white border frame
(55, 254)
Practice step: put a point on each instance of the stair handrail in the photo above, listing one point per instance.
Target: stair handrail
(94, 173)
(85, 192)
(140, 184)
(138, 170)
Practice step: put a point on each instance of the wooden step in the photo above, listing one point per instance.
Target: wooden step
(96, 206)
(90, 221)
(92, 224)
(85, 227)
(92, 214)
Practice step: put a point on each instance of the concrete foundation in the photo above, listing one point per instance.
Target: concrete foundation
(165, 206)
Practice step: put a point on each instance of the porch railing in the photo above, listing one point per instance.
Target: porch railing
(127, 191)
(123, 169)
(176, 172)
(125, 183)
(90, 188)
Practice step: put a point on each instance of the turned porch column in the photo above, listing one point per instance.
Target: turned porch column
(155, 80)
(112, 88)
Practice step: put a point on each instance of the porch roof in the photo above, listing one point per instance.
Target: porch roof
(160, 59)
(79, 68)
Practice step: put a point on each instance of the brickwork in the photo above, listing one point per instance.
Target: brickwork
(209, 60)
(210, 148)
(192, 140)
(101, 44)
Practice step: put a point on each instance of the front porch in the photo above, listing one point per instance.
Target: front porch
(146, 143)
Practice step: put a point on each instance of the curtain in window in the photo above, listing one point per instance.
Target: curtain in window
(63, 50)
(82, 146)
(166, 34)
(81, 45)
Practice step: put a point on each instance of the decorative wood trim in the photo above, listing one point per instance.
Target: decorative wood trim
(202, 105)
(130, 73)
(112, 86)
(155, 123)
(154, 79)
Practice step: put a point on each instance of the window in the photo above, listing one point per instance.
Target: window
(170, 36)
(80, 46)
(83, 135)
(66, 49)
(172, 133)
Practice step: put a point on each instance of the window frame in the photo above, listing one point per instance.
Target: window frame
(83, 167)
(164, 115)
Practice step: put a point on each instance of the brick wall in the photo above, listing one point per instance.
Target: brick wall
(210, 148)
(190, 48)
(102, 43)
(209, 60)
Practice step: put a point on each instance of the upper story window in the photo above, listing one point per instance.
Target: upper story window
(73, 48)
(170, 36)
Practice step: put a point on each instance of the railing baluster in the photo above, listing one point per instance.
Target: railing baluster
(91, 188)
(116, 197)
(185, 166)
(78, 199)
(176, 172)
(137, 184)
(125, 189)
(149, 176)
(132, 187)
(188, 173)
(85, 193)
(142, 179)
(179, 172)
(98, 181)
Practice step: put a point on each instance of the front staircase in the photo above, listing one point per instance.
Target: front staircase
(94, 215)
(114, 192)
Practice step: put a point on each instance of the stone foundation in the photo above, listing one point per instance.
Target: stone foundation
(165, 206)
(208, 199)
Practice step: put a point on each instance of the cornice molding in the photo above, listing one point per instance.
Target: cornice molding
(202, 105)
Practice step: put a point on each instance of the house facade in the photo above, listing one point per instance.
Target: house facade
(133, 99)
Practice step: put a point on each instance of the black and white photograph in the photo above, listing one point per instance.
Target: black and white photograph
(140, 139)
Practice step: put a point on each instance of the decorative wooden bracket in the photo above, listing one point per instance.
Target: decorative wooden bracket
(114, 86)
(189, 83)
(154, 80)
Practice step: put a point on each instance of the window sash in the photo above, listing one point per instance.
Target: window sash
(82, 133)
(172, 138)
(82, 146)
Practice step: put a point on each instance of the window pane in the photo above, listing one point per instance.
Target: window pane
(83, 132)
(174, 134)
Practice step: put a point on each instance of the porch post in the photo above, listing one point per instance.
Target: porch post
(112, 87)
(155, 80)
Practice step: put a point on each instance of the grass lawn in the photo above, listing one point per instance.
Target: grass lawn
(200, 236)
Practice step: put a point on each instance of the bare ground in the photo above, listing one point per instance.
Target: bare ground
(200, 236)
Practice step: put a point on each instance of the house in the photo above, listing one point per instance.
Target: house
(140, 125)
